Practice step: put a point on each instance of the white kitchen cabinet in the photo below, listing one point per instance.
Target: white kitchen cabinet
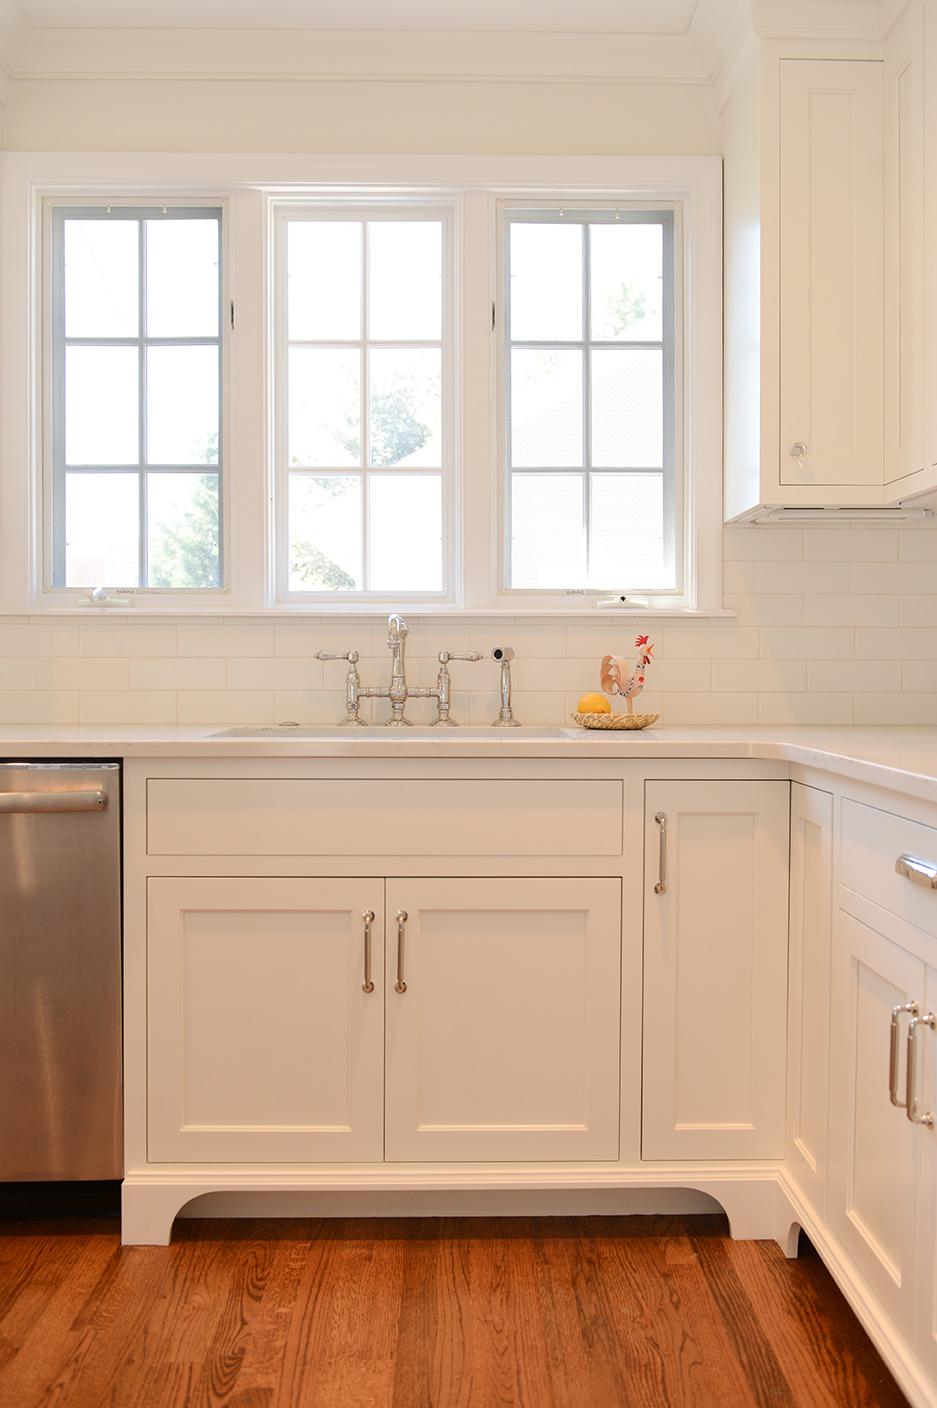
(503, 1007)
(925, 1135)
(263, 1045)
(809, 990)
(831, 274)
(715, 969)
(873, 1146)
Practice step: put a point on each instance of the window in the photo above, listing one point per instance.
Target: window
(452, 384)
(134, 450)
(365, 402)
(589, 444)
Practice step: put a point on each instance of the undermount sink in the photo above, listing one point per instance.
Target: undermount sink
(380, 731)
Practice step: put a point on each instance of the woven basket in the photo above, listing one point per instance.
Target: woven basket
(616, 721)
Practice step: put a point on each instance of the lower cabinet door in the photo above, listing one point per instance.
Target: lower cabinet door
(874, 1149)
(715, 969)
(263, 1045)
(926, 1214)
(503, 1009)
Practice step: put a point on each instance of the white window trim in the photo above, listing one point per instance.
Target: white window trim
(248, 187)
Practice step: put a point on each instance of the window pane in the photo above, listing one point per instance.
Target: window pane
(546, 283)
(627, 531)
(102, 542)
(405, 407)
(101, 405)
(325, 407)
(323, 280)
(548, 535)
(325, 533)
(405, 532)
(627, 409)
(182, 524)
(182, 289)
(546, 408)
(182, 405)
(405, 280)
(101, 258)
(627, 282)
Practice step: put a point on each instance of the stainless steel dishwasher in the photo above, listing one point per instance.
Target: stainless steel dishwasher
(60, 1086)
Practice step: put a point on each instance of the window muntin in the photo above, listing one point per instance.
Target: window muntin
(364, 380)
(135, 445)
(591, 494)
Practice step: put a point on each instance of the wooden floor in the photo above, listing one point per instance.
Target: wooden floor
(500, 1313)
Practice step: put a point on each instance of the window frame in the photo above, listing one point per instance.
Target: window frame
(247, 187)
(55, 469)
(403, 208)
(551, 211)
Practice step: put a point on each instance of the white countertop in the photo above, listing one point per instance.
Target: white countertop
(904, 759)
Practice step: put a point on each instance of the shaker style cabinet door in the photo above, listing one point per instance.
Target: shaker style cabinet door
(874, 1148)
(263, 1045)
(503, 1007)
(715, 969)
(811, 940)
(832, 271)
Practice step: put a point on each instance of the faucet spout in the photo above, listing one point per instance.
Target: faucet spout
(397, 632)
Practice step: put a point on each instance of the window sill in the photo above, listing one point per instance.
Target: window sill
(316, 612)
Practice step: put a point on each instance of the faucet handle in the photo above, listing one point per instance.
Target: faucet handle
(446, 655)
(352, 656)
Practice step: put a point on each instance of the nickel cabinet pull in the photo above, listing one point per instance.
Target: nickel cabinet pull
(402, 916)
(661, 887)
(368, 917)
(921, 872)
(929, 1019)
(896, 1013)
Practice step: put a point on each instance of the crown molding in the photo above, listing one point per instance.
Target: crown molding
(825, 19)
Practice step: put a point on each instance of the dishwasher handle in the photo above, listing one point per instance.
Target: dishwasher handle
(90, 799)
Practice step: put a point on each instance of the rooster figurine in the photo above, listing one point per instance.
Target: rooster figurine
(616, 677)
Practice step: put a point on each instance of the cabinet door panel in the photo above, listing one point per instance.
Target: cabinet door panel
(262, 1044)
(872, 1142)
(715, 971)
(810, 958)
(832, 272)
(926, 1208)
(505, 1044)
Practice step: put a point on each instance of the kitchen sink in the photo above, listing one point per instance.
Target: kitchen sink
(380, 731)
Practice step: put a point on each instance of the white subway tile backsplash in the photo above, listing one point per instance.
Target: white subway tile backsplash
(226, 706)
(103, 675)
(805, 709)
(131, 707)
(814, 643)
(851, 545)
(760, 675)
(822, 613)
(807, 578)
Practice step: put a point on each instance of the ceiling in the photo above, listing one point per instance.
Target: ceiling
(556, 41)
(638, 17)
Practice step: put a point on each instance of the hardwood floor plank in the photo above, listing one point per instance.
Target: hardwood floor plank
(427, 1313)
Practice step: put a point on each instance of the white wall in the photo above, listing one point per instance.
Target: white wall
(834, 625)
(291, 115)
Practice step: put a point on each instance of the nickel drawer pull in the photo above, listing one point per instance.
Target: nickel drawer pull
(927, 1119)
(93, 800)
(896, 1013)
(922, 872)
(661, 887)
(368, 917)
(400, 985)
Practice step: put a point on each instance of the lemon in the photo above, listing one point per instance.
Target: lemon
(594, 704)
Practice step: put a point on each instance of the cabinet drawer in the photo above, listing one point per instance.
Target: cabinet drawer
(872, 842)
(383, 817)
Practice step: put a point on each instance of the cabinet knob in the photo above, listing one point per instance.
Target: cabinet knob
(798, 450)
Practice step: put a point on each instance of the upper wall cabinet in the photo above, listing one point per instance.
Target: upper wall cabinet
(828, 198)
